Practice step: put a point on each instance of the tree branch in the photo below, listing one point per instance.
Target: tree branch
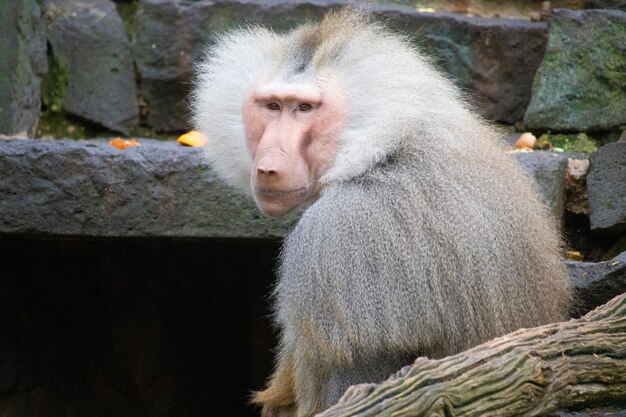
(531, 372)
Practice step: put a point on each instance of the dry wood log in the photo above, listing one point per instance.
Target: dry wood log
(531, 372)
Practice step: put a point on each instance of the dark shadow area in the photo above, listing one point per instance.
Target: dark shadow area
(579, 236)
(134, 327)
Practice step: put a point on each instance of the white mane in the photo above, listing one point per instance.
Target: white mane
(396, 99)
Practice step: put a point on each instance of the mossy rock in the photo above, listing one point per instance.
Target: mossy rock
(22, 62)
(92, 71)
(580, 142)
(581, 84)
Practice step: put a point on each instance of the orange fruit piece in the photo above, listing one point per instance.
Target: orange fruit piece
(526, 141)
(122, 144)
(192, 138)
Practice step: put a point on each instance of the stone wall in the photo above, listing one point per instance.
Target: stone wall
(126, 270)
(563, 77)
(126, 66)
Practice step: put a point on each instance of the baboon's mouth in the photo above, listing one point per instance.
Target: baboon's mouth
(271, 192)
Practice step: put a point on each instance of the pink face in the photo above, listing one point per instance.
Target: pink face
(292, 132)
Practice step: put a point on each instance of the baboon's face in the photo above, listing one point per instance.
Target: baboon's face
(292, 131)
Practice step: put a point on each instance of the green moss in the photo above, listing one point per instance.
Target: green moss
(57, 124)
(580, 142)
(148, 132)
(539, 177)
(126, 10)
(54, 85)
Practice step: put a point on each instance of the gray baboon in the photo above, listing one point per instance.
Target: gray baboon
(422, 237)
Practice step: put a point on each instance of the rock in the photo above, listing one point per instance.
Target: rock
(509, 139)
(576, 200)
(22, 62)
(606, 4)
(606, 185)
(494, 59)
(91, 70)
(596, 283)
(547, 169)
(89, 188)
(166, 35)
(171, 36)
(581, 84)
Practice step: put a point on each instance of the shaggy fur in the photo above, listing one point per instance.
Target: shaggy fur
(416, 244)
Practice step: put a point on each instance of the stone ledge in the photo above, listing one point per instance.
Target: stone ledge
(88, 188)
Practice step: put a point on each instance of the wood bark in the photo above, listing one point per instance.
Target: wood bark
(531, 372)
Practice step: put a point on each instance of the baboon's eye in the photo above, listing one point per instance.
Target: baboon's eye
(273, 106)
(304, 107)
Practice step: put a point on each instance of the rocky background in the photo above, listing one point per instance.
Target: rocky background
(136, 282)
(87, 68)
(77, 68)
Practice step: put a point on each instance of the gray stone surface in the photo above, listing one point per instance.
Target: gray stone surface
(547, 169)
(581, 84)
(494, 59)
(160, 188)
(606, 187)
(606, 4)
(22, 62)
(91, 70)
(171, 36)
(596, 283)
(89, 188)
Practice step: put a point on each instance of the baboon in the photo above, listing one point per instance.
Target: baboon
(421, 236)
